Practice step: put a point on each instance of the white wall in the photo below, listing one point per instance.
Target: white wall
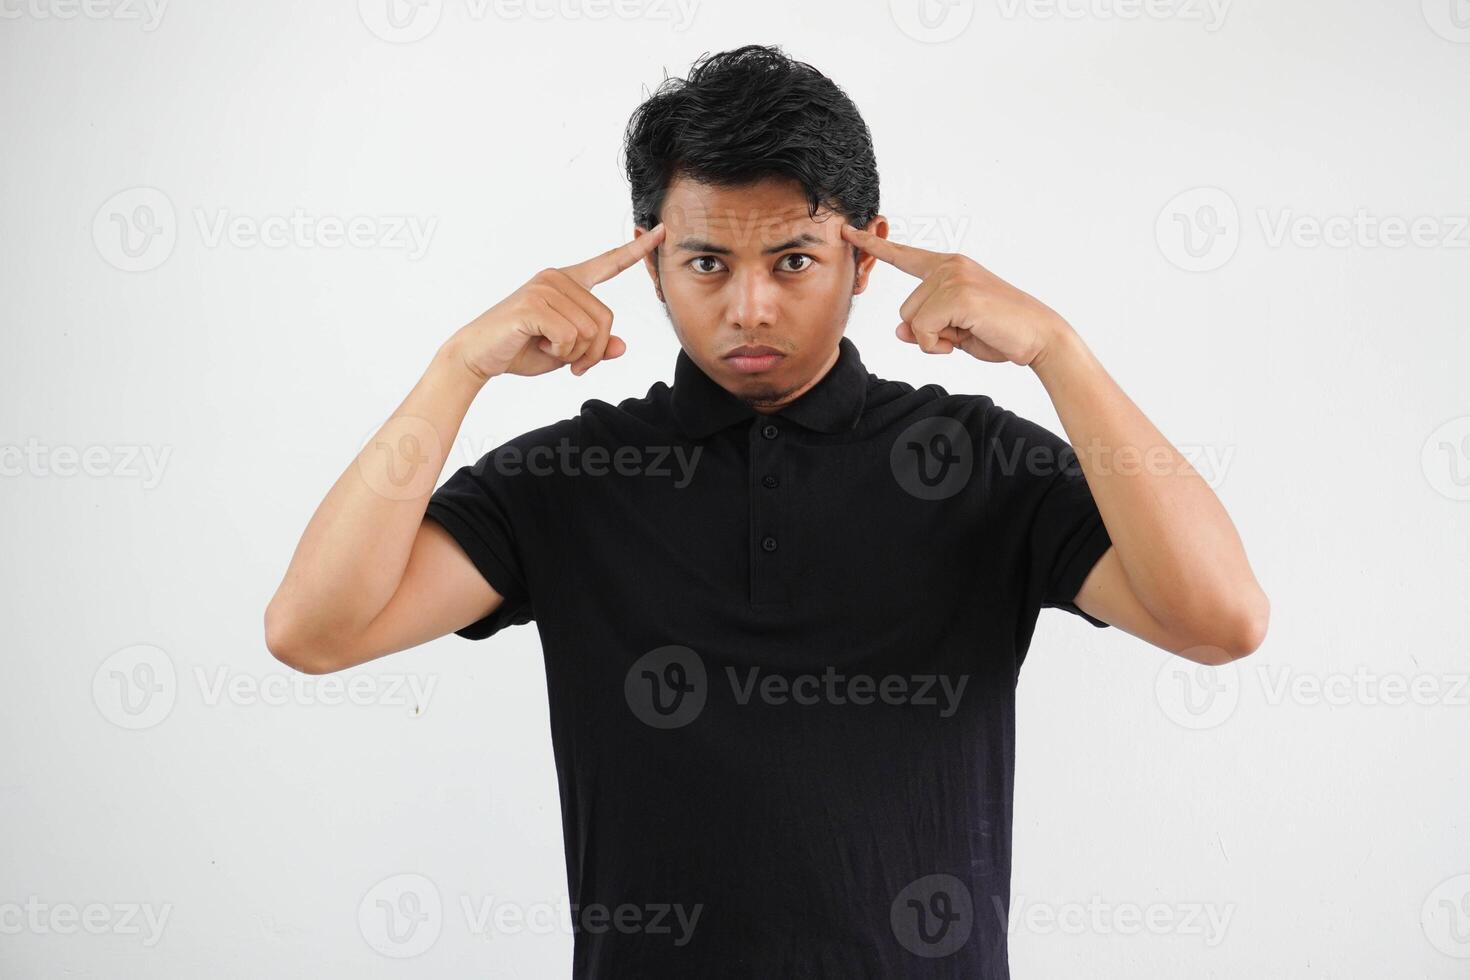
(1328, 830)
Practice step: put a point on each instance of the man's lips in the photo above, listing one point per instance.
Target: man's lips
(749, 358)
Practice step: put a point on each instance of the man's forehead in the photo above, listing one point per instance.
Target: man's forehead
(754, 216)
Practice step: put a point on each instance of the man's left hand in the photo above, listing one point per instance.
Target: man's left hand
(960, 303)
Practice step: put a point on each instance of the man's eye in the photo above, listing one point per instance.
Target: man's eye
(703, 258)
(798, 255)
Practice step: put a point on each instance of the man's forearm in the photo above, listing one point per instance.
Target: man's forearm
(353, 553)
(1177, 545)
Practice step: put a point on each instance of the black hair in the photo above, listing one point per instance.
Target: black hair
(746, 115)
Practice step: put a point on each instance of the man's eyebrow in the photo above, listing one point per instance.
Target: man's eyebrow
(806, 238)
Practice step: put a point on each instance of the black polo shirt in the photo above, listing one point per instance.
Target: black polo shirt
(781, 658)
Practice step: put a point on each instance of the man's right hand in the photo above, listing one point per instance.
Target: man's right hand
(552, 320)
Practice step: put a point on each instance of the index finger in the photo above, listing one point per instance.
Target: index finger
(909, 258)
(601, 268)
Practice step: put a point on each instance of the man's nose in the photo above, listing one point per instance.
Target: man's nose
(754, 300)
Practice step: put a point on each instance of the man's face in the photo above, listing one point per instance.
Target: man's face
(757, 290)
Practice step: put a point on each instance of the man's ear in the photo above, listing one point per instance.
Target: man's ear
(865, 262)
(650, 262)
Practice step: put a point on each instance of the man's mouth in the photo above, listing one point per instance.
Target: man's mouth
(749, 358)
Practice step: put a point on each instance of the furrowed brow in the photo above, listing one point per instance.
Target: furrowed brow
(805, 239)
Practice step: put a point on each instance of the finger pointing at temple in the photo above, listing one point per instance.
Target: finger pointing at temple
(915, 261)
(601, 268)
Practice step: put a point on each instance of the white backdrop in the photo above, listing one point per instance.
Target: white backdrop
(234, 234)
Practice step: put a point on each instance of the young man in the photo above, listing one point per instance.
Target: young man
(783, 603)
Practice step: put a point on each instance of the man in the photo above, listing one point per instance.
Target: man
(783, 603)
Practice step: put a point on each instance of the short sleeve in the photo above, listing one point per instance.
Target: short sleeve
(478, 505)
(1038, 476)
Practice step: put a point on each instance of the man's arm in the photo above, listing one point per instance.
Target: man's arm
(370, 575)
(1177, 574)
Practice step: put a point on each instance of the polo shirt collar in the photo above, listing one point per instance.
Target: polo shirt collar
(834, 404)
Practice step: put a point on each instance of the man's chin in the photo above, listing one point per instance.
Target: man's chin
(763, 397)
(757, 392)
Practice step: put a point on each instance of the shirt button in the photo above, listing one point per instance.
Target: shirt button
(770, 482)
(770, 431)
(768, 543)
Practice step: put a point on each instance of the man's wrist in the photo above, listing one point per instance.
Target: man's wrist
(1063, 349)
(450, 369)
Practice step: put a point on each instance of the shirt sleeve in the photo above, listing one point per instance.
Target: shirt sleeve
(1037, 475)
(481, 509)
